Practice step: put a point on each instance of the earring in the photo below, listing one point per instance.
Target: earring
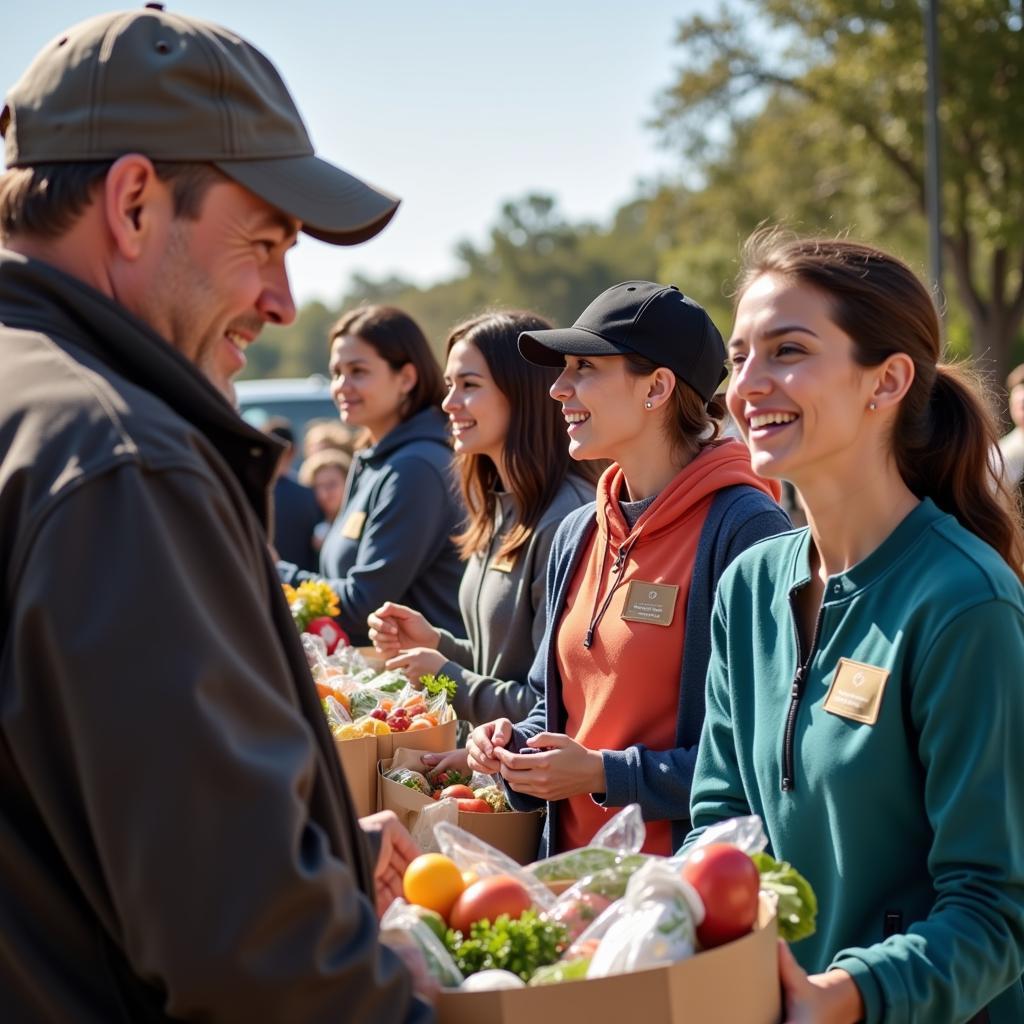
(872, 406)
(648, 405)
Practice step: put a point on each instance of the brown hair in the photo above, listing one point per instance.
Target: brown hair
(536, 450)
(45, 200)
(944, 433)
(334, 458)
(398, 340)
(691, 424)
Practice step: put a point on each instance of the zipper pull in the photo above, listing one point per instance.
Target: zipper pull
(798, 681)
(619, 559)
(588, 640)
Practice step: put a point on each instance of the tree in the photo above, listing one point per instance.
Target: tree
(858, 66)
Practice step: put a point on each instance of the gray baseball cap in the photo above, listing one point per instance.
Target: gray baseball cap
(176, 88)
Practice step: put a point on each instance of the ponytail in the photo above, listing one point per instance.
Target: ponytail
(950, 455)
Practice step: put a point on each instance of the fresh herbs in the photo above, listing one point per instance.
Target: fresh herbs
(519, 946)
(439, 684)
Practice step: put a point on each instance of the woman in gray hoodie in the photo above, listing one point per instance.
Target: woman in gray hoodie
(517, 484)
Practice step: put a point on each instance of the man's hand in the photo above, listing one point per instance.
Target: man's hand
(482, 743)
(416, 663)
(561, 769)
(396, 851)
(396, 627)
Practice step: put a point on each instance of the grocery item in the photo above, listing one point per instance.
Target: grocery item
(433, 881)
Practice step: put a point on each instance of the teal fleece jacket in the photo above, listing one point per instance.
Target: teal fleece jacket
(911, 830)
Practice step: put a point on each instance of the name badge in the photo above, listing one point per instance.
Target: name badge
(503, 564)
(650, 602)
(353, 528)
(856, 691)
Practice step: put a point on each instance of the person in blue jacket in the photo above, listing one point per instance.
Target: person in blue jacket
(866, 686)
(392, 541)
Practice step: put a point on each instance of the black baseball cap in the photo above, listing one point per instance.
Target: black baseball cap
(652, 320)
(177, 88)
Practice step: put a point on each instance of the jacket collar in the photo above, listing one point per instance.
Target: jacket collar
(884, 559)
(38, 297)
(428, 424)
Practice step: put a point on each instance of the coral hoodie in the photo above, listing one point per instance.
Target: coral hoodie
(619, 645)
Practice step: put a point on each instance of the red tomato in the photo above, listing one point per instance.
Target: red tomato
(459, 792)
(488, 898)
(475, 806)
(728, 882)
(578, 914)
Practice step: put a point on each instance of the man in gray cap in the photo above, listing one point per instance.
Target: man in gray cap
(177, 841)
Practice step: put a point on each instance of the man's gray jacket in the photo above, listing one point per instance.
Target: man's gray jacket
(177, 841)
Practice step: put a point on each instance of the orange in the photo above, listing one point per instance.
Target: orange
(433, 881)
(418, 723)
(375, 727)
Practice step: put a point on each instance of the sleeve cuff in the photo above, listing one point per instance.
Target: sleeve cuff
(867, 984)
(454, 649)
(620, 770)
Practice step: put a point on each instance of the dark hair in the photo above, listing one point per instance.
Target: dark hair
(398, 340)
(536, 450)
(280, 427)
(691, 424)
(944, 433)
(45, 200)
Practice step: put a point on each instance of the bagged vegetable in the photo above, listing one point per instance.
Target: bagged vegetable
(401, 917)
(654, 924)
(616, 845)
(409, 778)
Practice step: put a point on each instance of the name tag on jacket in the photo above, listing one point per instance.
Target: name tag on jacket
(650, 602)
(856, 691)
(353, 527)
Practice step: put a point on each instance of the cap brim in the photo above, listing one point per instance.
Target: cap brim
(549, 348)
(332, 204)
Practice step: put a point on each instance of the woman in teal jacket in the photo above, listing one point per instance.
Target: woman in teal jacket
(866, 689)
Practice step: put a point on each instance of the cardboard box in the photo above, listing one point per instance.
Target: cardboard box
(735, 984)
(359, 763)
(437, 740)
(515, 833)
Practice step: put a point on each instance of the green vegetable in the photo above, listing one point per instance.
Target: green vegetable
(495, 796)
(564, 970)
(520, 946)
(362, 702)
(587, 861)
(439, 684)
(798, 906)
(445, 777)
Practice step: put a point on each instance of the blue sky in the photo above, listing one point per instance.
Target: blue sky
(455, 105)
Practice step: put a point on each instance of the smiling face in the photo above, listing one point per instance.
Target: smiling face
(217, 280)
(366, 390)
(603, 406)
(477, 409)
(796, 393)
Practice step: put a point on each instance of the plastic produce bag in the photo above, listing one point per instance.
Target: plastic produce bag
(404, 919)
(473, 854)
(616, 845)
(654, 924)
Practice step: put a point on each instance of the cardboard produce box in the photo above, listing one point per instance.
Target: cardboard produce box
(734, 984)
(514, 833)
(359, 763)
(438, 740)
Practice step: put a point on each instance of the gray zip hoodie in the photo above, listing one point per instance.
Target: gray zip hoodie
(503, 612)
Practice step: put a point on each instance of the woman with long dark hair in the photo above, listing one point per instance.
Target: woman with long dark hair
(392, 540)
(865, 691)
(518, 483)
(630, 580)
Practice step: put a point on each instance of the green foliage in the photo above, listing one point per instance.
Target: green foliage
(520, 946)
(439, 684)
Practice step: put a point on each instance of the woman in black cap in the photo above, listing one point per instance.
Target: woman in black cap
(620, 672)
